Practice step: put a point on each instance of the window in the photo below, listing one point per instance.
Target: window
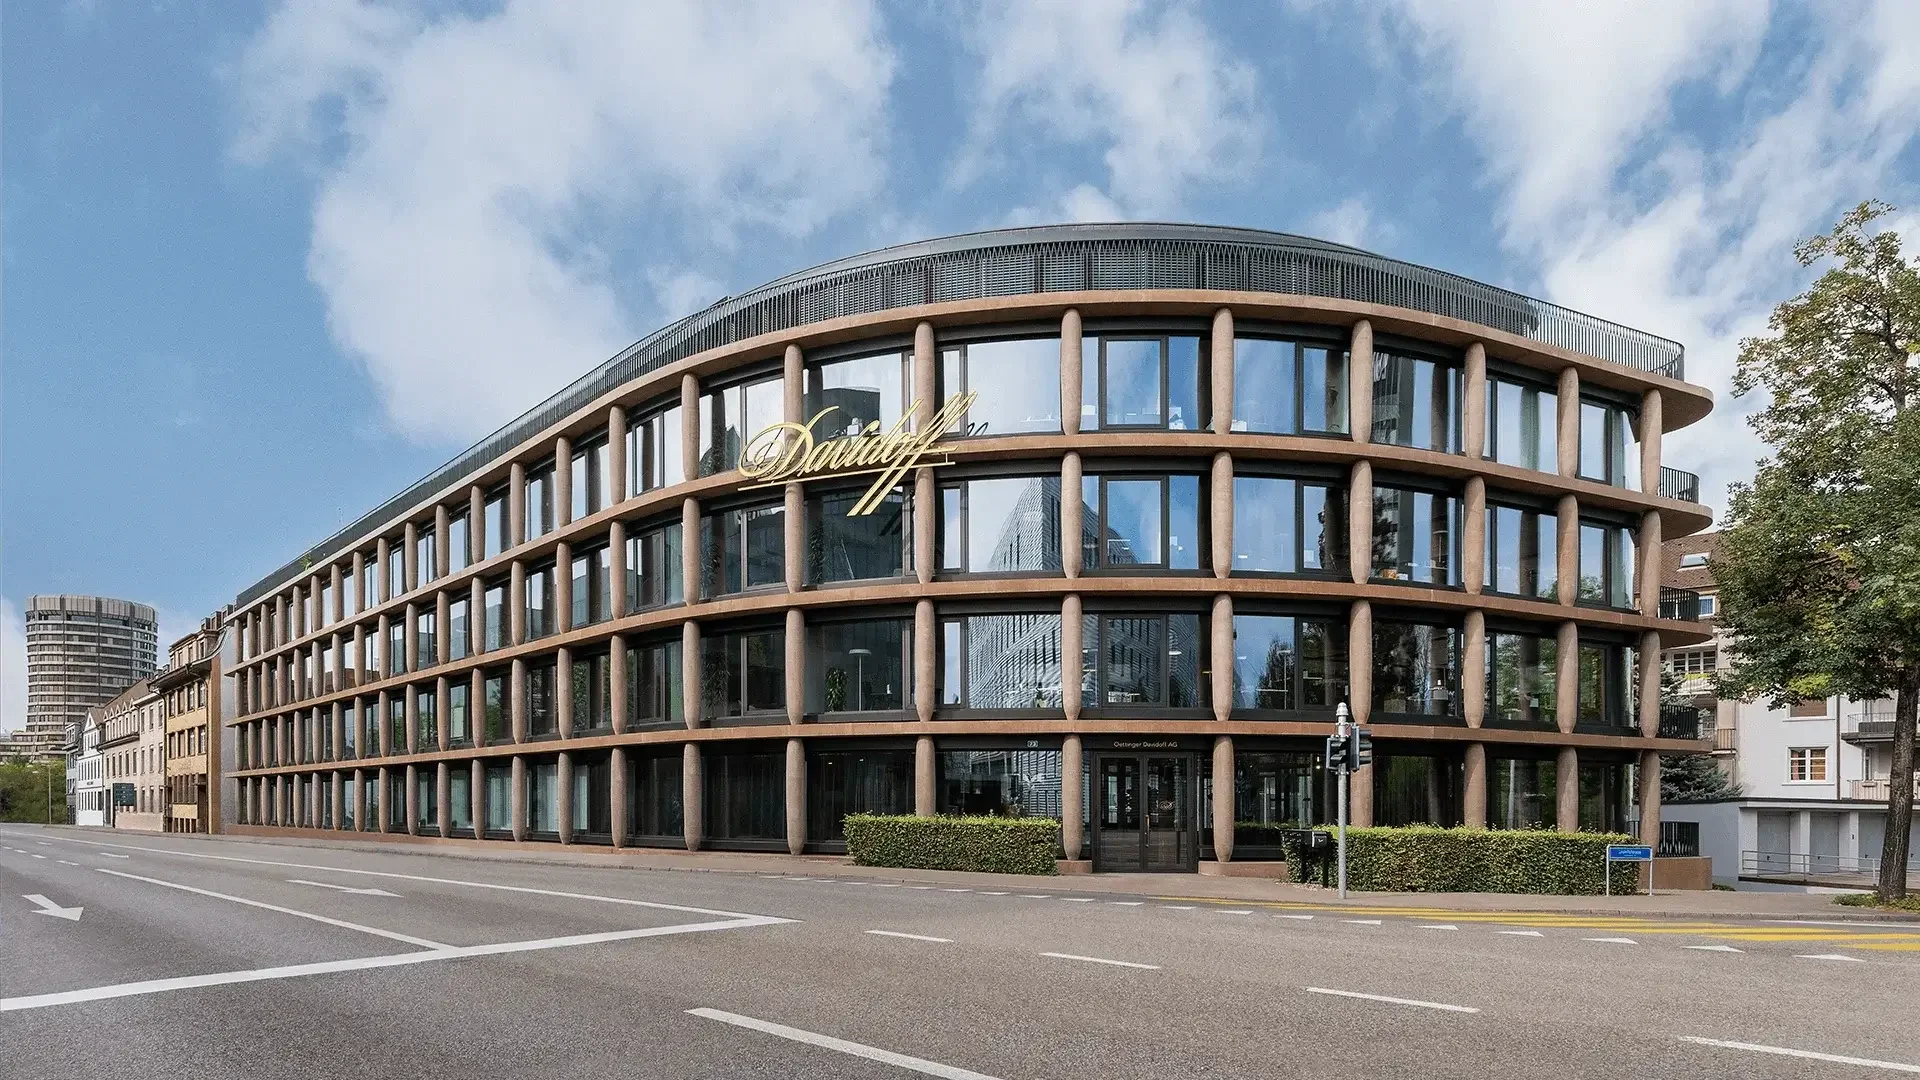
(1002, 525)
(654, 796)
(427, 652)
(1693, 560)
(1417, 789)
(1606, 565)
(426, 717)
(1289, 387)
(1018, 380)
(1523, 423)
(1707, 605)
(654, 451)
(1140, 521)
(1522, 679)
(370, 716)
(1416, 669)
(1609, 443)
(1416, 402)
(495, 633)
(396, 567)
(742, 548)
(743, 672)
(592, 797)
(539, 503)
(842, 782)
(1806, 764)
(746, 796)
(498, 798)
(540, 613)
(863, 391)
(369, 583)
(1284, 663)
(1283, 526)
(1808, 707)
(999, 783)
(1609, 685)
(397, 646)
(460, 799)
(458, 642)
(859, 666)
(1522, 793)
(396, 723)
(424, 542)
(495, 522)
(866, 547)
(731, 416)
(592, 693)
(324, 609)
(496, 717)
(590, 480)
(654, 567)
(1131, 661)
(543, 798)
(543, 715)
(1414, 536)
(654, 675)
(1001, 661)
(1139, 381)
(1704, 662)
(459, 544)
(1522, 551)
(592, 588)
(1609, 799)
(349, 797)
(459, 714)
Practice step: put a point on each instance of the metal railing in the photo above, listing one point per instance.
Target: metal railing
(1804, 865)
(1032, 261)
(1681, 604)
(1679, 484)
(1679, 839)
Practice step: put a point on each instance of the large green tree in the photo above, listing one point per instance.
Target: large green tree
(1819, 567)
(33, 792)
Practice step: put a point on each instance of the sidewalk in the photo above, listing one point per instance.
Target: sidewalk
(1673, 905)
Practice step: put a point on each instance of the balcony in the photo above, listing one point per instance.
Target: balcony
(1872, 724)
(1724, 740)
(1680, 604)
(1678, 484)
(1875, 790)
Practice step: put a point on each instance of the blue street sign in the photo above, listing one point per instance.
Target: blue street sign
(1629, 853)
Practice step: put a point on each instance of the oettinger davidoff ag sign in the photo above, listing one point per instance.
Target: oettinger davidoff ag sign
(783, 453)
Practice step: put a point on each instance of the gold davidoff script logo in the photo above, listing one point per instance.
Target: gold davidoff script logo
(782, 453)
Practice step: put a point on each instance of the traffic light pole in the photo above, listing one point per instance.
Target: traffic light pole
(1343, 731)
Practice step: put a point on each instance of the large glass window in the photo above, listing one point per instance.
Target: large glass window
(1609, 796)
(396, 647)
(1609, 685)
(592, 693)
(1522, 793)
(539, 601)
(1287, 663)
(495, 636)
(539, 503)
(1140, 381)
(654, 676)
(349, 800)
(1018, 381)
(1001, 661)
(458, 642)
(1414, 536)
(654, 567)
(396, 723)
(858, 548)
(859, 666)
(863, 391)
(1522, 676)
(592, 797)
(543, 798)
(1522, 425)
(459, 799)
(396, 800)
(743, 672)
(349, 730)
(1609, 443)
(746, 796)
(1606, 565)
(590, 480)
(1140, 521)
(1000, 525)
(459, 713)
(742, 548)
(654, 794)
(426, 800)
(1283, 526)
(495, 711)
(459, 543)
(1288, 387)
(543, 715)
(426, 650)
(426, 718)
(1416, 669)
(654, 451)
(732, 415)
(842, 782)
(1144, 660)
(424, 554)
(498, 797)
(1000, 783)
(1523, 551)
(496, 538)
(1276, 791)
(1417, 789)
(370, 717)
(592, 588)
(1416, 402)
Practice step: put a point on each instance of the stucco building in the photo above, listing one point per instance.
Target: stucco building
(133, 743)
(190, 702)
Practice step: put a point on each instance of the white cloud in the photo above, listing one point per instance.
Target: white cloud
(1146, 84)
(469, 166)
(13, 667)
(1348, 223)
(682, 292)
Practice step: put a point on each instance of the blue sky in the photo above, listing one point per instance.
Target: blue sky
(263, 267)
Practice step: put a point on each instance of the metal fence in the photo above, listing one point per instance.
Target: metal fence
(1018, 262)
(1679, 484)
(1679, 838)
(1682, 604)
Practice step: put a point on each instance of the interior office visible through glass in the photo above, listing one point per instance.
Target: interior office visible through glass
(1140, 381)
(1416, 402)
(1416, 668)
(1522, 424)
(1523, 672)
(1413, 536)
(732, 415)
(1143, 660)
(862, 547)
(1140, 521)
(1286, 663)
(859, 666)
(1522, 551)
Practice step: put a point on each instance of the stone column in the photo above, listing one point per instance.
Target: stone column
(1360, 382)
(442, 799)
(690, 426)
(1649, 675)
(1221, 642)
(519, 813)
(617, 453)
(1473, 418)
(563, 692)
(1473, 808)
(1072, 806)
(926, 382)
(693, 802)
(1072, 525)
(1222, 787)
(1650, 800)
(443, 712)
(617, 789)
(1360, 702)
(793, 536)
(477, 795)
(926, 659)
(382, 812)
(1473, 668)
(1220, 371)
(1648, 564)
(476, 617)
(1473, 539)
(516, 505)
(1653, 419)
(562, 482)
(410, 567)
(793, 385)
(1567, 559)
(383, 725)
(923, 776)
(690, 696)
(1071, 374)
(1566, 679)
(1220, 514)
(410, 708)
(1568, 406)
(617, 683)
(383, 570)
(340, 810)
(517, 603)
(561, 609)
(476, 525)
(1072, 646)
(690, 549)
(617, 597)
(338, 725)
(517, 706)
(796, 660)
(442, 553)
(796, 796)
(1360, 521)
(564, 776)
(443, 627)
(336, 609)
(926, 513)
(1566, 776)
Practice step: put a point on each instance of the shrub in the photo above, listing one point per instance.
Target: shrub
(1872, 900)
(994, 845)
(1422, 858)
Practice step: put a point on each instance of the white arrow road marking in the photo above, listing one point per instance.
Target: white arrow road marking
(852, 1049)
(1440, 926)
(1828, 956)
(1392, 1000)
(1784, 1051)
(342, 923)
(1613, 940)
(1712, 948)
(48, 907)
(342, 888)
(1521, 933)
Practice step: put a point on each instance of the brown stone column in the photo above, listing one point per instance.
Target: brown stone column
(1567, 559)
(617, 792)
(690, 432)
(1220, 640)
(1647, 564)
(793, 537)
(410, 709)
(1653, 421)
(617, 704)
(410, 567)
(517, 707)
(1566, 775)
(564, 777)
(617, 597)
(382, 568)
(1473, 668)
(926, 659)
(1220, 514)
(617, 453)
(1649, 675)
(476, 617)
(1072, 804)
(1473, 807)
(796, 796)
(442, 553)
(560, 611)
(1071, 374)
(690, 549)
(562, 482)
(1220, 372)
(1360, 702)
(409, 799)
(336, 610)
(923, 776)
(1566, 679)
(1567, 403)
(477, 795)
(1360, 521)
(519, 813)
(1473, 539)
(1072, 523)
(926, 514)
(476, 525)
(1473, 414)
(926, 381)
(690, 696)
(563, 692)
(517, 603)
(796, 660)
(1072, 634)
(1223, 794)
(693, 800)
(382, 725)
(1650, 798)
(1360, 382)
(443, 627)
(338, 784)
(442, 799)
(793, 385)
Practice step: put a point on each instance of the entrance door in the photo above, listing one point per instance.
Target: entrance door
(1145, 816)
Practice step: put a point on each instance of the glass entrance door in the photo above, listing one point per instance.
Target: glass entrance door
(1144, 813)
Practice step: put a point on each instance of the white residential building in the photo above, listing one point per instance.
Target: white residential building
(90, 775)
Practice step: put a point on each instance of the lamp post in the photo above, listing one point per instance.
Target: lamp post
(859, 677)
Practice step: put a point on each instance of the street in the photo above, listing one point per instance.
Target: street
(196, 957)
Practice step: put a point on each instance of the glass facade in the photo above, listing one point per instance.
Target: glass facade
(732, 415)
(654, 796)
(590, 587)
(844, 547)
(1607, 565)
(1273, 791)
(743, 672)
(1609, 686)
(1522, 680)
(1001, 661)
(1523, 424)
(654, 675)
(654, 567)
(1135, 661)
(1416, 402)
(1416, 669)
(1001, 525)
(1287, 387)
(654, 451)
(1143, 380)
(1417, 789)
(543, 797)
(1018, 381)
(543, 713)
(1609, 443)
(592, 793)
(592, 692)
(1415, 534)
(590, 481)
(859, 666)
(742, 548)
(1130, 522)
(498, 798)
(866, 393)
(842, 782)
(998, 783)
(746, 796)
(1286, 663)
(1522, 551)
(1286, 526)
(1522, 793)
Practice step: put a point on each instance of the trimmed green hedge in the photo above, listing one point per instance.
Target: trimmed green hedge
(994, 845)
(1421, 858)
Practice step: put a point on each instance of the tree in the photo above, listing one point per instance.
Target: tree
(1687, 778)
(1819, 563)
(31, 792)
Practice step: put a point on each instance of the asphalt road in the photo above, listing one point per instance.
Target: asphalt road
(208, 958)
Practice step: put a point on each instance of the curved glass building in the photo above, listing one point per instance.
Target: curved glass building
(1091, 522)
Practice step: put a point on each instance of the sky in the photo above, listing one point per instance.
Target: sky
(262, 267)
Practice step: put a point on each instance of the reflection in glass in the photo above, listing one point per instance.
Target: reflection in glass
(1609, 685)
(1008, 524)
(743, 672)
(543, 715)
(654, 451)
(1413, 536)
(1283, 526)
(1522, 793)
(1018, 381)
(1140, 660)
(1416, 402)
(459, 799)
(858, 548)
(592, 692)
(743, 548)
(1522, 425)
(1002, 661)
(654, 568)
(1416, 789)
(654, 795)
(592, 796)
(543, 797)
(1000, 783)
(1129, 521)
(497, 720)
(1606, 565)
(842, 782)
(459, 713)
(1288, 387)
(746, 796)
(654, 674)
(1416, 669)
(1146, 381)
(1609, 796)
(1271, 792)
(1522, 551)
(1286, 663)
(863, 391)
(731, 416)
(1522, 676)
(858, 666)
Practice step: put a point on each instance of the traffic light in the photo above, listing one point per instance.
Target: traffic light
(1361, 751)
(1337, 753)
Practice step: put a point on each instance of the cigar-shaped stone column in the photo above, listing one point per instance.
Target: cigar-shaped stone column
(1072, 527)
(1220, 629)
(617, 792)
(1360, 702)
(693, 794)
(1567, 558)
(1473, 412)
(1223, 798)
(796, 796)
(1473, 549)
(923, 777)
(1220, 515)
(477, 795)
(519, 798)
(796, 673)
(1473, 809)
(1473, 668)
(1072, 803)
(1566, 777)
(1360, 382)
(1652, 435)
(1567, 404)
(564, 776)
(1071, 374)
(1221, 372)
(1566, 688)
(690, 674)
(690, 420)
(1360, 521)
(926, 655)
(1650, 798)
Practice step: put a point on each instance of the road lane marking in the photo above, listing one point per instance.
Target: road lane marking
(342, 888)
(1101, 960)
(910, 937)
(1362, 922)
(852, 1049)
(922, 888)
(1810, 1055)
(1237, 911)
(993, 894)
(956, 890)
(44, 843)
(1439, 926)
(1126, 903)
(1829, 956)
(111, 855)
(36, 856)
(1444, 1007)
(1302, 918)
(1613, 940)
(66, 862)
(44, 906)
(1078, 899)
(1712, 948)
(1178, 907)
(1034, 896)
(1521, 933)
(342, 923)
